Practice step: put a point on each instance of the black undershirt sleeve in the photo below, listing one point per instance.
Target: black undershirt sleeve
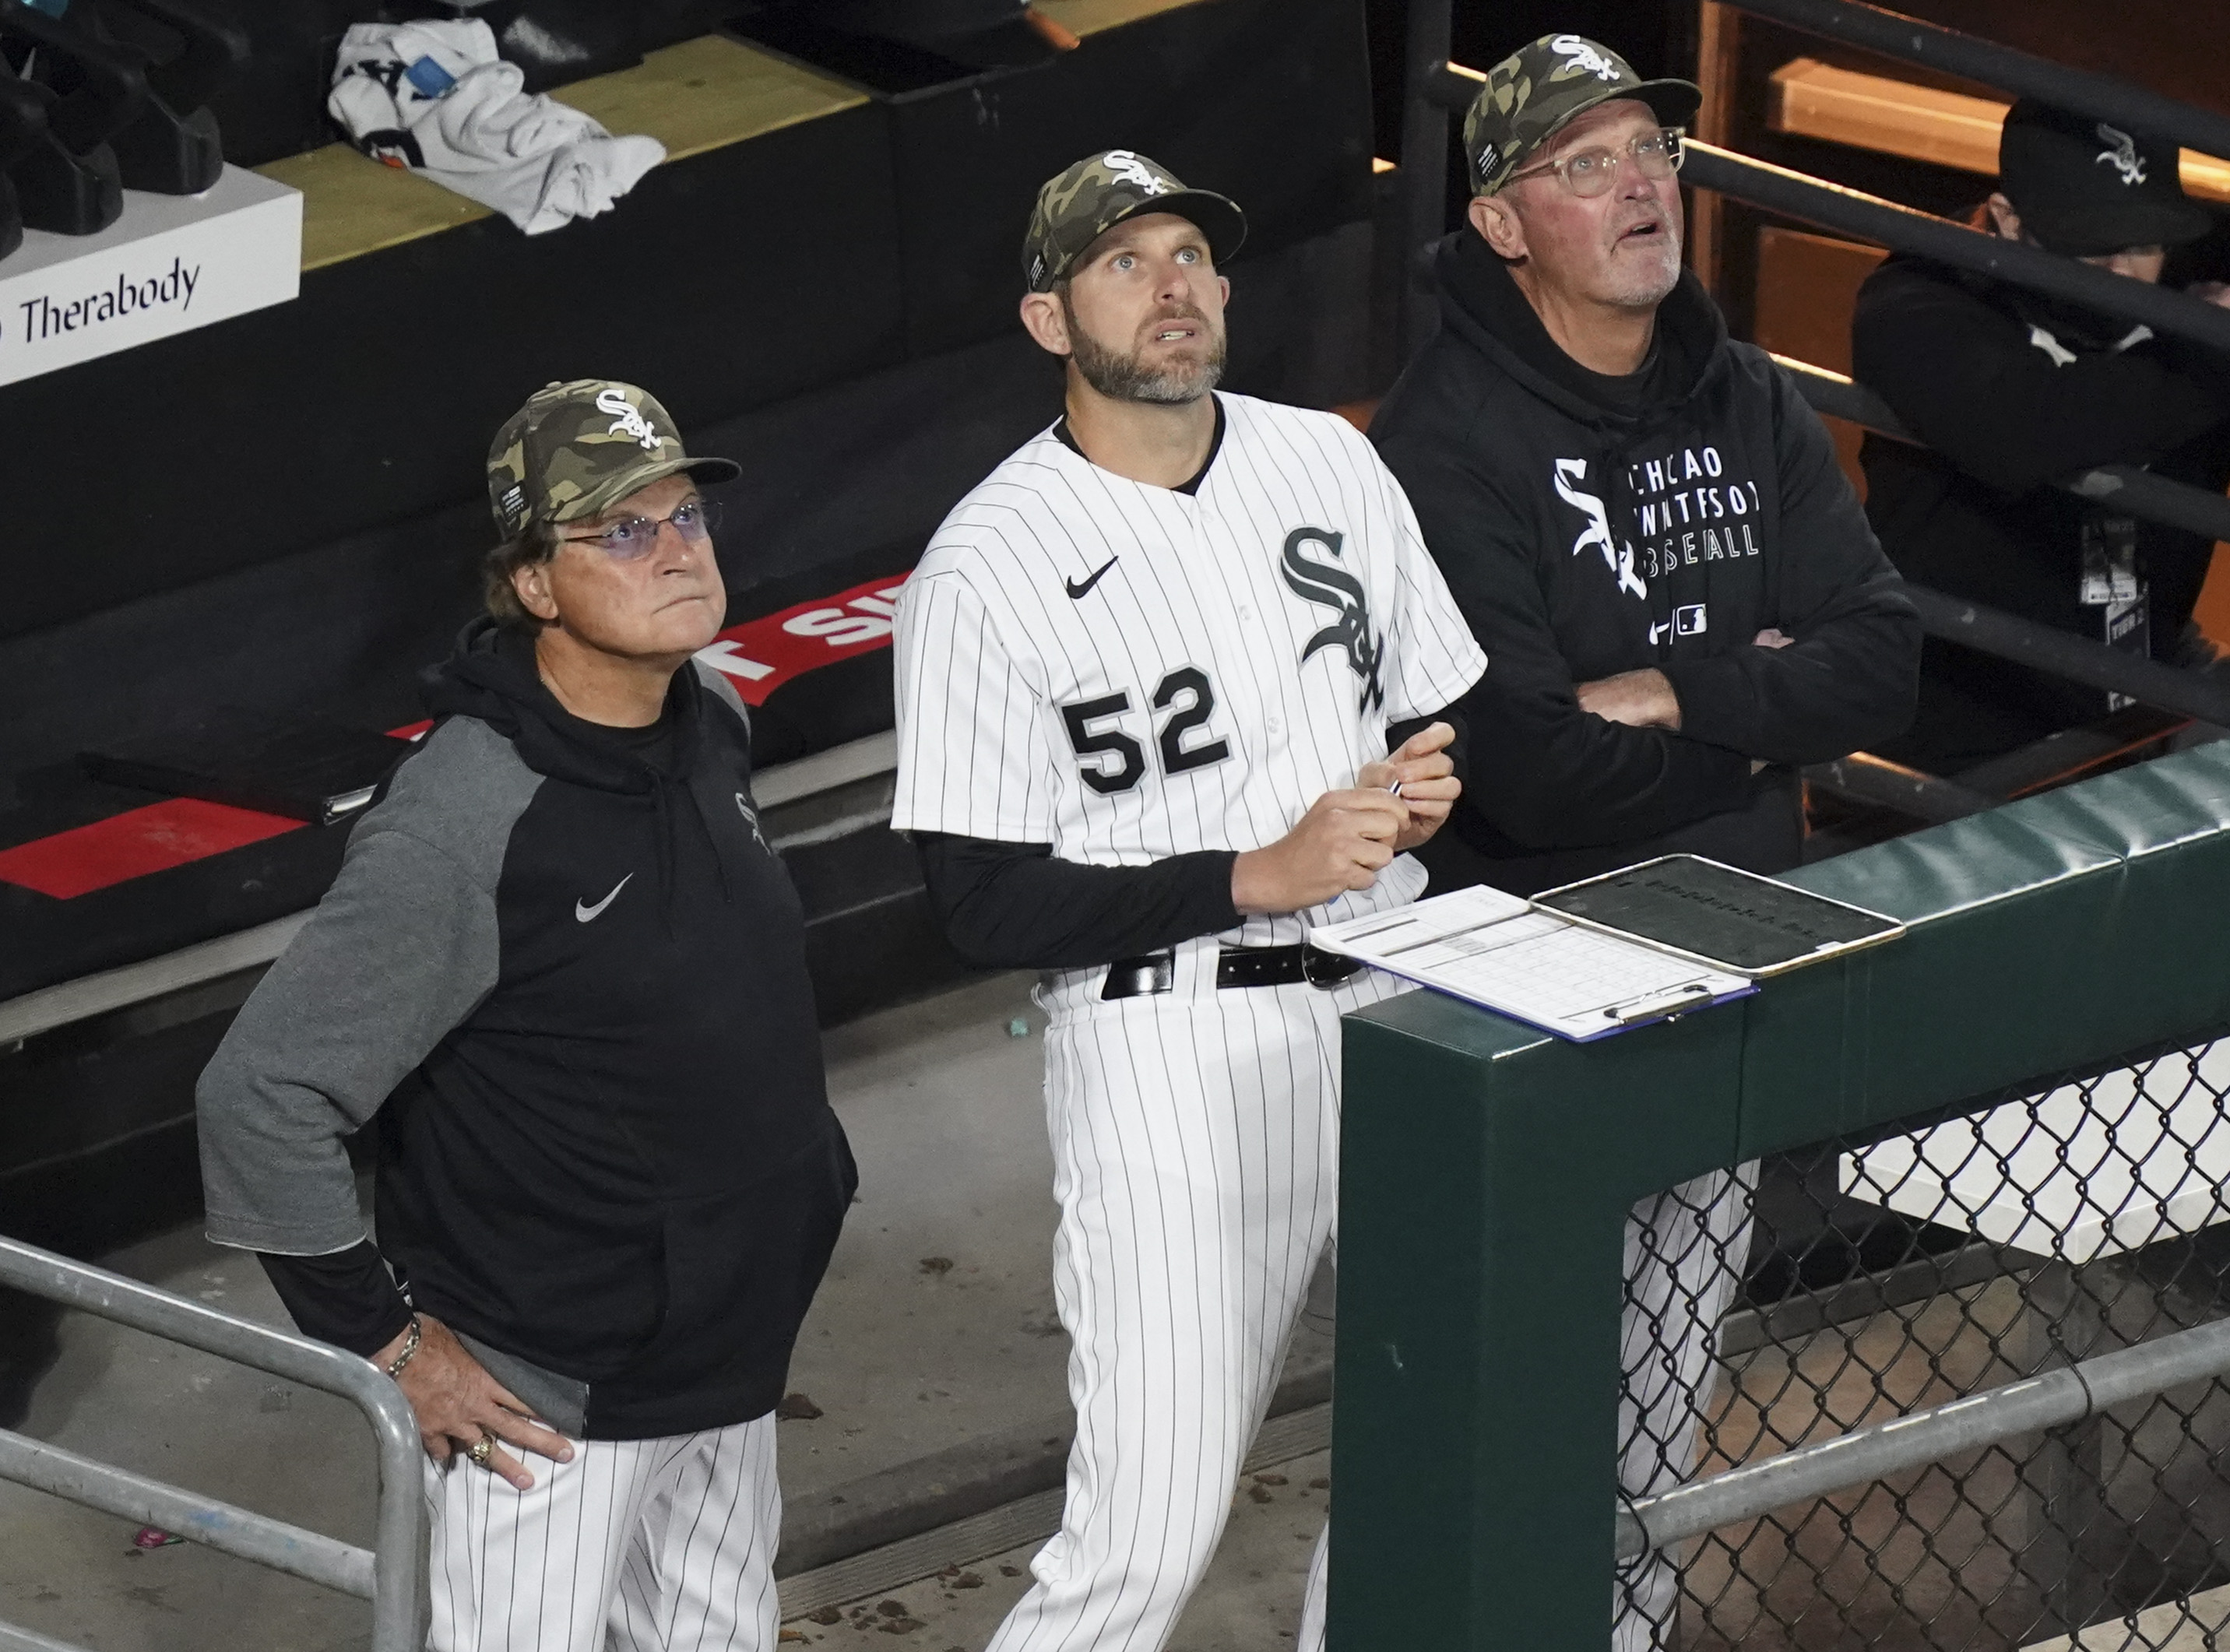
(1397, 733)
(1014, 906)
(347, 1298)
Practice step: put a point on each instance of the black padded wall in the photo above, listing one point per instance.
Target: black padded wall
(1267, 101)
(369, 399)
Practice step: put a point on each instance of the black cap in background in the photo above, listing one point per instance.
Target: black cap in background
(2086, 189)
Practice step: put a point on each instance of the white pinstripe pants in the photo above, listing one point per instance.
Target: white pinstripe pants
(1684, 1255)
(635, 1545)
(1195, 1139)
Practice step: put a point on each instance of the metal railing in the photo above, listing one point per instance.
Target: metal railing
(1777, 188)
(2156, 498)
(2084, 92)
(390, 1575)
(2061, 1398)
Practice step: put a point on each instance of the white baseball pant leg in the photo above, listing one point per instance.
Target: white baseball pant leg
(1195, 1140)
(1684, 1251)
(635, 1544)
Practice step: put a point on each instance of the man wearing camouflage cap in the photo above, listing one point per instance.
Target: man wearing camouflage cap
(562, 969)
(1648, 531)
(1169, 686)
(1647, 527)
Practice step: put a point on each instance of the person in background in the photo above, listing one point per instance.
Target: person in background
(2010, 391)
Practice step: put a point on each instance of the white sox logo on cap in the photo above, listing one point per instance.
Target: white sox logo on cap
(1581, 54)
(1125, 164)
(630, 421)
(2121, 153)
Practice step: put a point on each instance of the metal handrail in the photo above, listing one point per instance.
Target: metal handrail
(1793, 194)
(1424, 179)
(2139, 492)
(390, 1575)
(2053, 1399)
(2084, 91)
(22, 1640)
(2062, 653)
(1876, 781)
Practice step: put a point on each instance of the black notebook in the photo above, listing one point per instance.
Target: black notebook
(1718, 916)
(304, 769)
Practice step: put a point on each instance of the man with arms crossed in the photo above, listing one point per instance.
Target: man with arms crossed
(1145, 676)
(565, 974)
(1648, 530)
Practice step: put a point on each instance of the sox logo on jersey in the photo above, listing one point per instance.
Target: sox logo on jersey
(1339, 589)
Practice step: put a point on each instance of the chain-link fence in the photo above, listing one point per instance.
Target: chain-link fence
(1863, 1279)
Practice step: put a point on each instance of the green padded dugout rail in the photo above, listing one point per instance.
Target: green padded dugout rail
(1487, 1169)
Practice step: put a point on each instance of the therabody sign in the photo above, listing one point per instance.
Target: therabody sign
(170, 264)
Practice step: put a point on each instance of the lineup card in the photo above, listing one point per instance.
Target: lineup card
(1501, 951)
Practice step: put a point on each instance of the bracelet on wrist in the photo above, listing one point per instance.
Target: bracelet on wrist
(409, 1347)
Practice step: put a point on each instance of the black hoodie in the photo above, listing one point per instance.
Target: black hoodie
(1590, 526)
(564, 969)
(2012, 392)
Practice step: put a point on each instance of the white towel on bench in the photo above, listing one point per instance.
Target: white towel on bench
(433, 98)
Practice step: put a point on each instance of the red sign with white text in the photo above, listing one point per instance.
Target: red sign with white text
(760, 655)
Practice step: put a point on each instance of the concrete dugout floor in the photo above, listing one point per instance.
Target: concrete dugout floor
(935, 1328)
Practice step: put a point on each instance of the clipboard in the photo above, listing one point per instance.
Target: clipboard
(1541, 968)
(1597, 958)
(1720, 915)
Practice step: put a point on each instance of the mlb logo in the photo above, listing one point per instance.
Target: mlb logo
(1689, 621)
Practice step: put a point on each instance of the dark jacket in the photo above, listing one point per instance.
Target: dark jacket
(564, 967)
(1588, 527)
(2010, 391)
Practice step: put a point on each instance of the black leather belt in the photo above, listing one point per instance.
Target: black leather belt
(1234, 967)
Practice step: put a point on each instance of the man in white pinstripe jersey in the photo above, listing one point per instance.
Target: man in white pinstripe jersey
(1146, 675)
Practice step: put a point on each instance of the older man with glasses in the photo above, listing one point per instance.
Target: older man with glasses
(1675, 586)
(1677, 590)
(563, 974)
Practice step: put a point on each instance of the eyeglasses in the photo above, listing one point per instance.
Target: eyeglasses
(1591, 171)
(634, 539)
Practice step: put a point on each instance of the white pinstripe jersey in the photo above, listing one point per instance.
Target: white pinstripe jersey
(1128, 672)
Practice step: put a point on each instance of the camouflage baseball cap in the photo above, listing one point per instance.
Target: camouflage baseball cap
(577, 448)
(1530, 95)
(1100, 191)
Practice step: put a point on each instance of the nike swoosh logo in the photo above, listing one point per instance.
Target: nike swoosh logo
(1079, 591)
(584, 913)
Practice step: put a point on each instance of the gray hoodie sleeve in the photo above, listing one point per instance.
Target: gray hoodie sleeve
(402, 948)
